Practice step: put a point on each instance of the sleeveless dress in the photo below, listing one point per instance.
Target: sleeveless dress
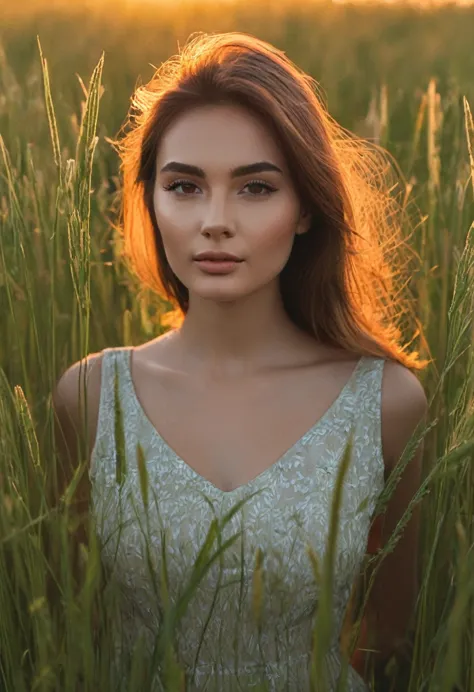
(220, 643)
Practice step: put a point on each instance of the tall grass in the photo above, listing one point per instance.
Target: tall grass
(60, 273)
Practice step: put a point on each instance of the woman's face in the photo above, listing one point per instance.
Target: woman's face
(254, 216)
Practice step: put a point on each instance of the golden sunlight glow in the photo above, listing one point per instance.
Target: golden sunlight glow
(177, 6)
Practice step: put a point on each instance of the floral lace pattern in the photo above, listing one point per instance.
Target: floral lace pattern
(220, 642)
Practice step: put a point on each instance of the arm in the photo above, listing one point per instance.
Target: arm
(67, 431)
(393, 596)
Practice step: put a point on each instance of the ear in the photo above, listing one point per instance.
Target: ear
(304, 223)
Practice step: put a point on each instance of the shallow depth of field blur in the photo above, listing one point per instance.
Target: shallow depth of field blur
(399, 75)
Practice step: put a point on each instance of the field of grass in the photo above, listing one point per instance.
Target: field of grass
(398, 76)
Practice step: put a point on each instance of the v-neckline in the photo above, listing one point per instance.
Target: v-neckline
(245, 486)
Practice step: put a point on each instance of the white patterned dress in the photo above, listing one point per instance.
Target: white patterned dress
(218, 641)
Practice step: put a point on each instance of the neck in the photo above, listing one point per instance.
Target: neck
(236, 338)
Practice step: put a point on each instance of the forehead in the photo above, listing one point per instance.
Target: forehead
(223, 133)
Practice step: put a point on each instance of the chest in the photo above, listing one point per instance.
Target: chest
(229, 433)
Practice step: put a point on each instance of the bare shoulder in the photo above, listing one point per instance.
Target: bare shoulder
(404, 405)
(78, 384)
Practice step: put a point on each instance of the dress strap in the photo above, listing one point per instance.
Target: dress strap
(114, 360)
(371, 395)
(368, 420)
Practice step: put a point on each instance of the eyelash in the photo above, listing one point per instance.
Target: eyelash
(172, 186)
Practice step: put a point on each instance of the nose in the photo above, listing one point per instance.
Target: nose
(216, 231)
(217, 219)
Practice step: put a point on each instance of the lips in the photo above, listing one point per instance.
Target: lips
(218, 266)
(217, 257)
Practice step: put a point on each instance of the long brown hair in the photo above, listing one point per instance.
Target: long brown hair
(339, 282)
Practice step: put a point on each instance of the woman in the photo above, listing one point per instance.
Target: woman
(259, 218)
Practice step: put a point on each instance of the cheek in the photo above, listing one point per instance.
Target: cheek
(173, 236)
(269, 251)
(177, 248)
(276, 240)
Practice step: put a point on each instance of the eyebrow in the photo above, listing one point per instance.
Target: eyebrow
(258, 167)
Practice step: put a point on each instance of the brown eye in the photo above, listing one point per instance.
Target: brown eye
(259, 183)
(179, 183)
